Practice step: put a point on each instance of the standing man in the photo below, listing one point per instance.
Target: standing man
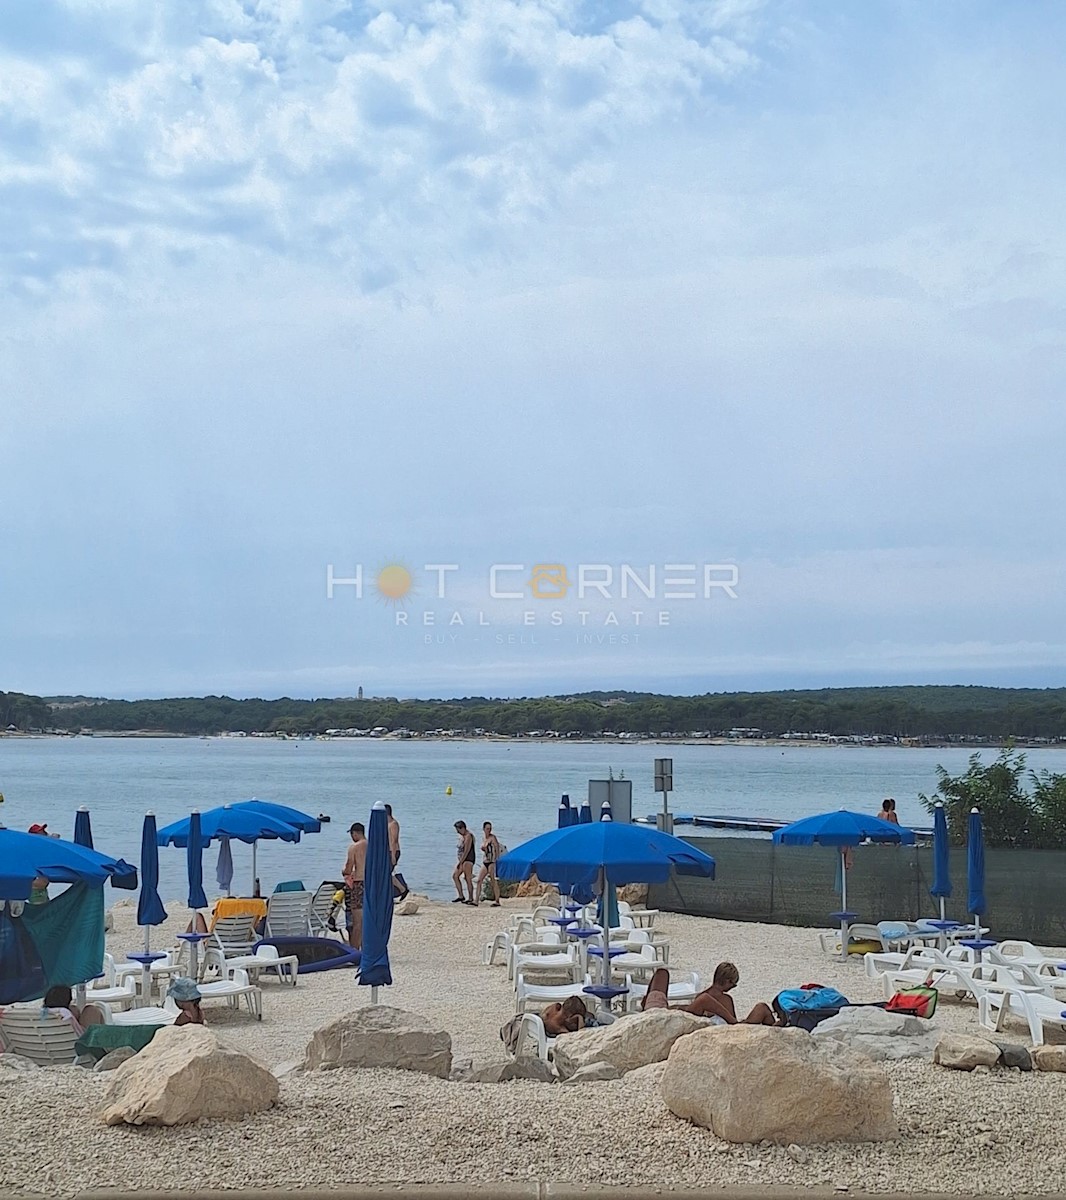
(464, 867)
(399, 885)
(354, 877)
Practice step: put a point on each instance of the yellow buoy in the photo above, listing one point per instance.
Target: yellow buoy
(448, 790)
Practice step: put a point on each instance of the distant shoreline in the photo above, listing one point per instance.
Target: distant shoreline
(774, 743)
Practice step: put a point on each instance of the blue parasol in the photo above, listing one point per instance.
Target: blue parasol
(302, 821)
(941, 864)
(564, 812)
(585, 813)
(194, 859)
(842, 829)
(374, 970)
(975, 870)
(83, 833)
(25, 857)
(150, 910)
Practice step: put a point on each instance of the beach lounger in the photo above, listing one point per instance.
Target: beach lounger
(1036, 1009)
(152, 1015)
(289, 914)
(119, 996)
(540, 962)
(1012, 953)
(532, 1041)
(322, 907)
(529, 992)
(230, 938)
(684, 988)
(40, 1036)
(264, 958)
(231, 990)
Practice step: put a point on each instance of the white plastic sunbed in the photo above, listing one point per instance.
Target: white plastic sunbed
(528, 992)
(1036, 1009)
(683, 989)
(42, 1037)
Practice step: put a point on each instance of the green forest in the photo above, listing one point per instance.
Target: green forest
(960, 714)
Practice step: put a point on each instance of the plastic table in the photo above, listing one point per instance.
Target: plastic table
(146, 959)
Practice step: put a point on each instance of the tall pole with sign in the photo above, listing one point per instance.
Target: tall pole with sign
(664, 782)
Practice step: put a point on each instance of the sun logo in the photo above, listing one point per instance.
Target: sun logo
(393, 583)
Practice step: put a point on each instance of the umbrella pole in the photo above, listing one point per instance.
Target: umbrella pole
(606, 935)
(843, 904)
(254, 848)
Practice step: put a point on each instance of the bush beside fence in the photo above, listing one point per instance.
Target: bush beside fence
(797, 885)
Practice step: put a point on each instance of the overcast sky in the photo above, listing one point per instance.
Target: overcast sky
(663, 284)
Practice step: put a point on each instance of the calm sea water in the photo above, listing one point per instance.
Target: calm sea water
(516, 786)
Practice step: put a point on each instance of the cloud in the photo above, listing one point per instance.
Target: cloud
(372, 136)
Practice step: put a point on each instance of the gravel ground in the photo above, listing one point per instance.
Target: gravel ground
(988, 1132)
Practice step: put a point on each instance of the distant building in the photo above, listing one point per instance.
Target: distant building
(360, 693)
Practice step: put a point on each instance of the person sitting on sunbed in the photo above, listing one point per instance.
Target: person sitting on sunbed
(714, 1002)
(59, 1001)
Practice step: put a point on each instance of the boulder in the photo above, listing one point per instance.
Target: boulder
(632, 1041)
(535, 1069)
(964, 1051)
(182, 1075)
(1013, 1055)
(598, 1072)
(380, 1036)
(651, 1074)
(878, 1034)
(749, 1083)
(408, 907)
(635, 894)
(1049, 1058)
(114, 1058)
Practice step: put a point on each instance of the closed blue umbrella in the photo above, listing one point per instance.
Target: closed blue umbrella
(975, 870)
(150, 910)
(83, 833)
(224, 866)
(842, 829)
(941, 864)
(585, 813)
(374, 971)
(564, 812)
(194, 859)
(25, 857)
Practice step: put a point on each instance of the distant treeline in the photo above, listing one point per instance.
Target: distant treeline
(895, 712)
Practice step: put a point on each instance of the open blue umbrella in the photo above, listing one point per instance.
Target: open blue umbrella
(25, 857)
(83, 833)
(194, 861)
(282, 812)
(975, 870)
(842, 829)
(235, 822)
(603, 853)
(374, 970)
(941, 864)
(150, 910)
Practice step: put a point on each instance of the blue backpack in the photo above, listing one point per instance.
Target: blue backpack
(804, 1008)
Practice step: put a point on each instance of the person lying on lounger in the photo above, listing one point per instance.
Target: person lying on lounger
(568, 1017)
(714, 1002)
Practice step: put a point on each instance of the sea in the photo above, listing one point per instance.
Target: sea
(515, 785)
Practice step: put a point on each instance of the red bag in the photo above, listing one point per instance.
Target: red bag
(914, 1002)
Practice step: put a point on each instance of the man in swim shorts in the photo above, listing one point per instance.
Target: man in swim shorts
(354, 877)
(714, 1002)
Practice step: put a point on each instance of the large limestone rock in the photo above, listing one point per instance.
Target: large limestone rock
(534, 1069)
(748, 1083)
(632, 1041)
(114, 1059)
(183, 1074)
(1049, 1058)
(380, 1036)
(964, 1051)
(600, 1072)
(878, 1034)
(635, 894)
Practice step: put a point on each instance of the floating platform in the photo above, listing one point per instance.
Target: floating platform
(743, 824)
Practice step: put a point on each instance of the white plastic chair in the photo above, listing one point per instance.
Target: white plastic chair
(121, 995)
(42, 1037)
(289, 914)
(231, 937)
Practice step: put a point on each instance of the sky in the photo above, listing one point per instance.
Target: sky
(747, 316)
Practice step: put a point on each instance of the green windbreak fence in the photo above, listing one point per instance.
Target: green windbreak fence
(798, 885)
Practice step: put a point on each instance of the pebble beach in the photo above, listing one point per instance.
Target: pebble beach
(990, 1132)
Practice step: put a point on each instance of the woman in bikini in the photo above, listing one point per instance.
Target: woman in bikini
(490, 852)
(464, 868)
